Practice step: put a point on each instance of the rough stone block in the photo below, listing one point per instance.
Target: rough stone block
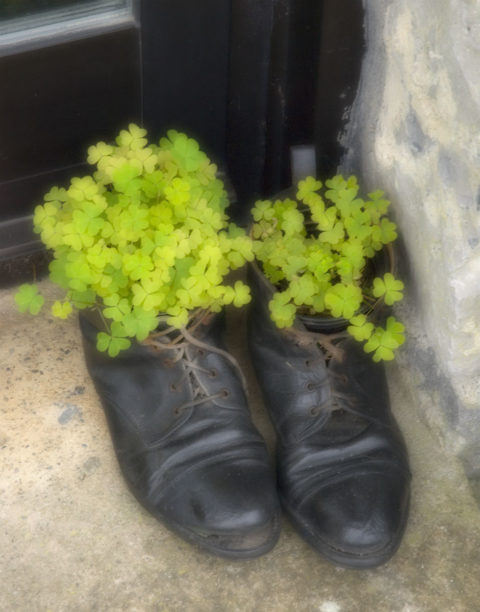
(414, 131)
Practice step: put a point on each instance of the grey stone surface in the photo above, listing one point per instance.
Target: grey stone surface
(72, 538)
(414, 131)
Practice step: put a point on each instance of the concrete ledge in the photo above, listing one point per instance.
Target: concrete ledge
(73, 538)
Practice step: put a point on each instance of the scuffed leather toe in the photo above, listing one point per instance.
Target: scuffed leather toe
(359, 521)
(244, 517)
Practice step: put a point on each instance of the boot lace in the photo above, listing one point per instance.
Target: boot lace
(337, 401)
(179, 340)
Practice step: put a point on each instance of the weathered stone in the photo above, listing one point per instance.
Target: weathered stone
(414, 130)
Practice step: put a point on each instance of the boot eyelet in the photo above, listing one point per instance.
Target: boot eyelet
(344, 379)
(213, 373)
(200, 352)
(178, 411)
(308, 363)
(314, 411)
(310, 386)
(173, 387)
(225, 393)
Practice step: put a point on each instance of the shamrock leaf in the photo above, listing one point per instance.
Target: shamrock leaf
(388, 287)
(61, 310)
(292, 222)
(147, 158)
(336, 183)
(360, 328)
(137, 265)
(282, 311)
(343, 300)
(114, 342)
(56, 194)
(307, 189)
(117, 307)
(82, 189)
(186, 151)
(383, 342)
(327, 219)
(140, 323)
(178, 316)
(148, 294)
(303, 289)
(132, 138)
(86, 219)
(334, 235)
(358, 225)
(98, 152)
(388, 231)
(178, 192)
(126, 179)
(263, 210)
(28, 298)
(79, 272)
(242, 294)
(377, 201)
(45, 215)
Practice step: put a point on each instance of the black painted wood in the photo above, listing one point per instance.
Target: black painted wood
(247, 78)
(342, 39)
(250, 53)
(292, 86)
(185, 47)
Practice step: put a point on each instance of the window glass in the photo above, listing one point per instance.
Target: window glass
(30, 21)
(10, 9)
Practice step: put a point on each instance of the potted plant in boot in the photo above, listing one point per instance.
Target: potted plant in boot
(324, 276)
(141, 248)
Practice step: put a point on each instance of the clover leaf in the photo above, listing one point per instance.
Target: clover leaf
(343, 300)
(186, 151)
(360, 328)
(61, 310)
(282, 311)
(307, 189)
(383, 342)
(114, 342)
(140, 323)
(126, 179)
(29, 299)
(242, 294)
(98, 152)
(263, 210)
(116, 307)
(389, 288)
(133, 138)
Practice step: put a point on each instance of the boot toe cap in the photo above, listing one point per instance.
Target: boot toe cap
(358, 521)
(231, 510)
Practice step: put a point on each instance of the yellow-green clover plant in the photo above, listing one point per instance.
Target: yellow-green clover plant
(315, 250)
(144, 239)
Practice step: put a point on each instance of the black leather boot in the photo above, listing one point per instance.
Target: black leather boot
(342, 465)
(184, 440)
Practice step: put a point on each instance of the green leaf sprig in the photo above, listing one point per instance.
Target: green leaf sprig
(144, 238)
(315, 248)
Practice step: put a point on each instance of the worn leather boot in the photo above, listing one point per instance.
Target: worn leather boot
(342, 465)
(184, 440)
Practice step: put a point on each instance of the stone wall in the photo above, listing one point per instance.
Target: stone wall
(414, 130)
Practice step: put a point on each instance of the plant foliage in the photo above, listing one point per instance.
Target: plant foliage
(144, 238)
(315, 250)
